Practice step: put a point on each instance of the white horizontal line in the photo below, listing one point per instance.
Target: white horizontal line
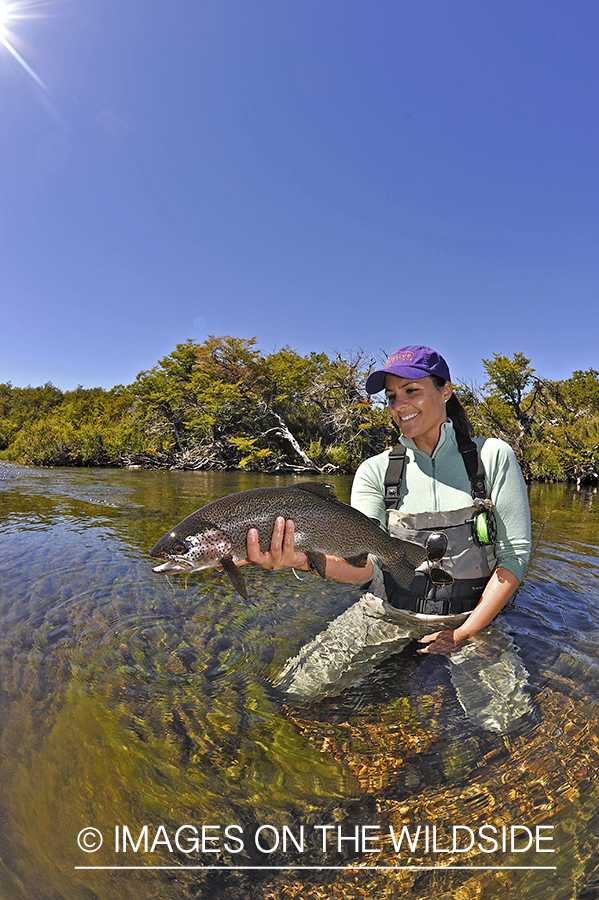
(327, 868)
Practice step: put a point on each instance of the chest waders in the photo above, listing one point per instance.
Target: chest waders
(487, 674)
(470, 556)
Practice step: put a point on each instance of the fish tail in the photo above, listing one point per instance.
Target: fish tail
(414, 553)
(402, 573)
(406, 559)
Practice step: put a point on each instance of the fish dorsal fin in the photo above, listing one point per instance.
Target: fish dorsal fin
(320, 488)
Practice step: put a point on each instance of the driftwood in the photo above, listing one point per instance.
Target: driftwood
(219, 456)
(282, 466)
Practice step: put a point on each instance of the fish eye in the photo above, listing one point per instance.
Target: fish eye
(179, 547)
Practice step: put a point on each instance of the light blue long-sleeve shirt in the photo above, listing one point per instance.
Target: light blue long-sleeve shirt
(440, 482)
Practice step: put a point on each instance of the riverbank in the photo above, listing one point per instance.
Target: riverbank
(225, 405)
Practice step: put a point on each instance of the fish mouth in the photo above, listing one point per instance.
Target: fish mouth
(172, 565)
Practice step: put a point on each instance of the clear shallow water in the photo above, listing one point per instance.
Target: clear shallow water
(129, 699)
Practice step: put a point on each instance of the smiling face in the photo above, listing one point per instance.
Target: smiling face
(418, 408)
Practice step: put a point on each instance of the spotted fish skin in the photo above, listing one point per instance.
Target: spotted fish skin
(216, 534)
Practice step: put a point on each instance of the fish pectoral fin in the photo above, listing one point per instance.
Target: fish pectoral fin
(235, 576)
(320, 488)
(317, 561)
(358, 561)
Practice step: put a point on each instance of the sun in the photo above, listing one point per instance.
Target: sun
(11, 11)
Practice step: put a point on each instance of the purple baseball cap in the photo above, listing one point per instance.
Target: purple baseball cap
(409, 362)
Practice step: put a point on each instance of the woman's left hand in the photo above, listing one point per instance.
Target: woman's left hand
(440, 642)
(501, 586)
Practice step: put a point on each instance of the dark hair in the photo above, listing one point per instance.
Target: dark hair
(455, 411)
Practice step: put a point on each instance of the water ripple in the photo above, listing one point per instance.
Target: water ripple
(126, 696)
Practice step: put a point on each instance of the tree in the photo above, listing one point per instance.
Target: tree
(162, 396)
(224, 399)
(510, 406)
(570, 438)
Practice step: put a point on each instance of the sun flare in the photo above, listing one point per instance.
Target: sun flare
(11, 13)
(4, 16)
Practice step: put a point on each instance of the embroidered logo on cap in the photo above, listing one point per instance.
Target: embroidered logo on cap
(405, 356)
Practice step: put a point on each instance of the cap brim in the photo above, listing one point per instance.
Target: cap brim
(376, 380)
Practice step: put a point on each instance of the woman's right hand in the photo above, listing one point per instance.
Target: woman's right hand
(282, 553)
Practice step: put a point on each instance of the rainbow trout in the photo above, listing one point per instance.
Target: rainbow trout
(216, 534)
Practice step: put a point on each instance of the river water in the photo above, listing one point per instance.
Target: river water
(142, 706)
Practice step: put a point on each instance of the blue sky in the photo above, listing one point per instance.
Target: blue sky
(328, 174)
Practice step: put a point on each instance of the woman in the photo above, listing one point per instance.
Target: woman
(475, 525)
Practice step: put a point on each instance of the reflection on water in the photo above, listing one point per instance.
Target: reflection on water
(132, 699)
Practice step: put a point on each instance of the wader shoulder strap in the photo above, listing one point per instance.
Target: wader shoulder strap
(472, 462)
(474, 466)
(394, 475)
